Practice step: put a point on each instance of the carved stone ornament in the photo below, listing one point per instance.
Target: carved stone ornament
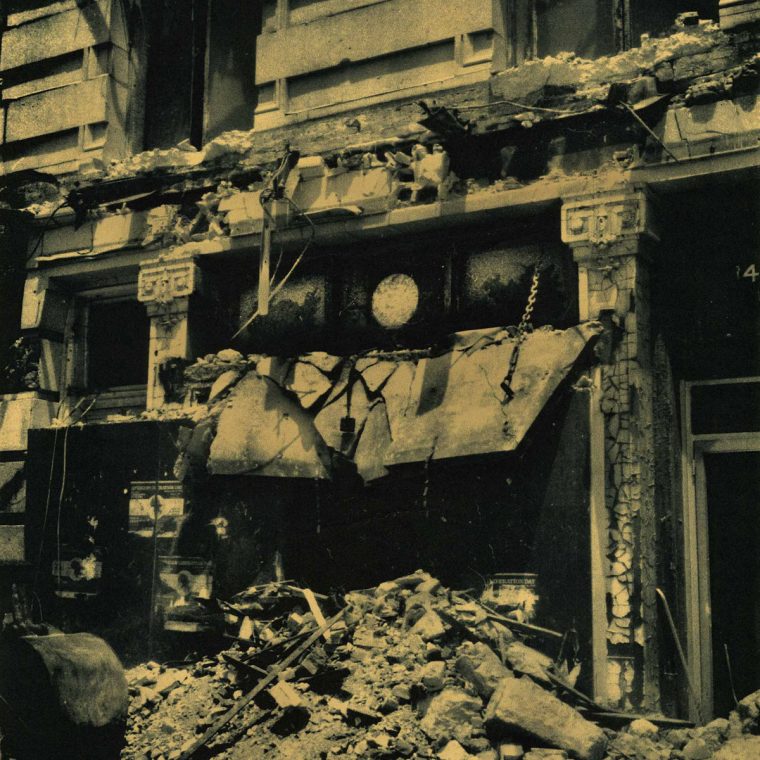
(163, 281)
(608, 219)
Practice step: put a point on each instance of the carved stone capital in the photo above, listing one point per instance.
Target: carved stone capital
(163, 281)
(599, 223)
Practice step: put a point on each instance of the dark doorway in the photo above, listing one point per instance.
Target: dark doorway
(733, 508)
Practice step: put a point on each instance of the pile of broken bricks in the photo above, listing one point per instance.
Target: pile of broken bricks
(408, 669)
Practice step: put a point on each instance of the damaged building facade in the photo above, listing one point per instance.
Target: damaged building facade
(334, 290)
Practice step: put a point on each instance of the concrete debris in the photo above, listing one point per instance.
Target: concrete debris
(454, 751)
(520, 705)
(528, 661)
(741, 748)
(643, 727)
(378, 689)
(481, 668)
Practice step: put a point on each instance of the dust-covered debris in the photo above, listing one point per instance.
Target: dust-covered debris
(410, 670)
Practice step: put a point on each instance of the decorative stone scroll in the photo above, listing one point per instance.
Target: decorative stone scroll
(604, 220)
(164, 281)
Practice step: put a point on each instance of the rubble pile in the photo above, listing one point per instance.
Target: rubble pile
(408, 669)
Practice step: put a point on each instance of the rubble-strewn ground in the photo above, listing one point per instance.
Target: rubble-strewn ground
(410, 670)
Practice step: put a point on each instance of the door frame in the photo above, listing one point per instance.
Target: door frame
(696, 543)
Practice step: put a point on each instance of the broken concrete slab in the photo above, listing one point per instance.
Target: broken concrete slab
(528, 661)
(452, 404)
(480, 666)
(376, 375)
(429, 627)
(433, 675)
(520, 705)
(322, 361)
(454, 751)
(740, 748)
(416, 606)
(308, 383)
(222, 383)
(643, 727)
(510, 751)
(374, 440)
(285, 695)
(278, 439)
(452, 714)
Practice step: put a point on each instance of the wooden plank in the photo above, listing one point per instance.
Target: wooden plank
(219, 724)
(57, 110)
(56, 35)
(389, 27)
(314, 608)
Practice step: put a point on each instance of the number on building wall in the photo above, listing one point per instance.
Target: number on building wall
(750, 273)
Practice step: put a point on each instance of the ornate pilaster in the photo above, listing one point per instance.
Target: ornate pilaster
(611, 235)
(165, 286)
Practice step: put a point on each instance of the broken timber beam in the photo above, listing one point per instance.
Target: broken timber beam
(315, 610)
(244, 666)
(218, 725)
(526, 627)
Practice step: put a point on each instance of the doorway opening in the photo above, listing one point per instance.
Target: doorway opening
(722, 541)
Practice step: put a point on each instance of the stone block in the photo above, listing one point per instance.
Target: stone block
(528, 661)
(118, 230)
(520, 705)
(285, 695)
(56, 34)
(454, 751)
(740, 748)
(390, 27)
(55, 110)
(429, 627)
(452, 714)
(432, 675)
(510, 751)
(481, 667)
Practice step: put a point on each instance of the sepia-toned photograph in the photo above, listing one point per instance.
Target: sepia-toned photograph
(380, 379)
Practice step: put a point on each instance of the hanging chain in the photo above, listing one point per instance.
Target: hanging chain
(525, 322)
(522, 333)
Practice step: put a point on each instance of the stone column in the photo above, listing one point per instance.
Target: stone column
(611, 236)
(165, 286)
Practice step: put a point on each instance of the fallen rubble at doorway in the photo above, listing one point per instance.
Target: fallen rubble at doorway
(408, 669)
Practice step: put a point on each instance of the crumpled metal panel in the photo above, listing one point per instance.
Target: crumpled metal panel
(262, 431)
(455, 407)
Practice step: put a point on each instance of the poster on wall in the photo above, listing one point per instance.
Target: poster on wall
(182, 582)
(77, 574)
(156, 505)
